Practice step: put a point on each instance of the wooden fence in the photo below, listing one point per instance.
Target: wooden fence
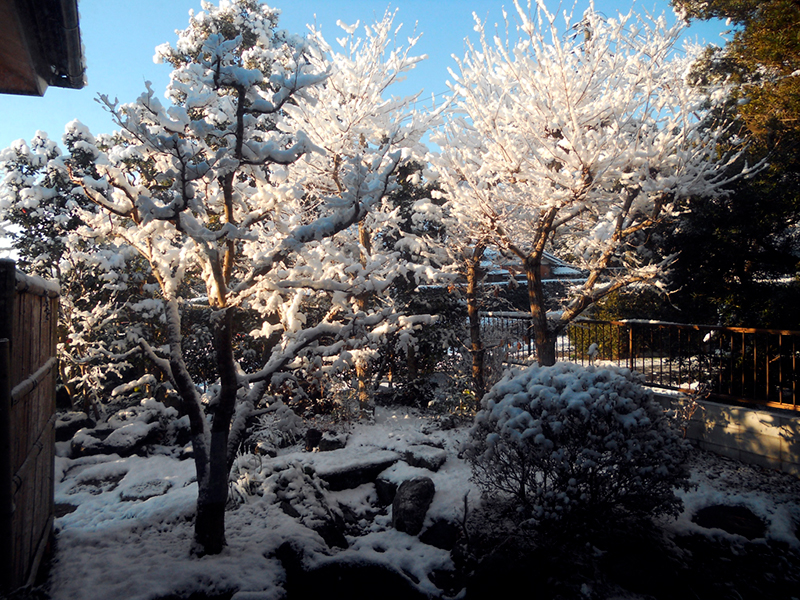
(28, 319)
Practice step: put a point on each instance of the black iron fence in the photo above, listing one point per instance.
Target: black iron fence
(731, 363)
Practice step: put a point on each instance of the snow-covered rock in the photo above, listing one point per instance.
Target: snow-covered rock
(411, 504)
(69, 423)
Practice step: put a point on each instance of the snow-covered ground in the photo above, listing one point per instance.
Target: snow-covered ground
(129, 535)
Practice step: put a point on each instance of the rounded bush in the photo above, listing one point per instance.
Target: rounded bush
(576, 444)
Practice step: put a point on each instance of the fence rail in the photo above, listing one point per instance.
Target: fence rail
(28, 318)
(731, 363)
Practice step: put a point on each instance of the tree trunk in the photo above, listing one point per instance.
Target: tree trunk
(209, 525)
(213, 493)
(546, 351)
(543, 338)
(411, 363)
(476, 343)
(362, 364)
(364, 386)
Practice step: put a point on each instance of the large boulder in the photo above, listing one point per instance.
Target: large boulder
(411, 503)
(441, 534)
(127, 432)
(302, 495)
(332, 441)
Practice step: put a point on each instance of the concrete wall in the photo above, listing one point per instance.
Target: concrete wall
(765, 437)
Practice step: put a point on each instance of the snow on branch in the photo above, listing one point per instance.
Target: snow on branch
(579, 137)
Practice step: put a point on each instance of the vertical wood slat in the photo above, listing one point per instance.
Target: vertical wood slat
(28, 315)
(7, 294)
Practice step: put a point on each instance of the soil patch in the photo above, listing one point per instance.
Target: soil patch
(733, 519)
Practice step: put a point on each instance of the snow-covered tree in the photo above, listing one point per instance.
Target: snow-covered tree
(246, 193)
(359, 125)
(41, 213)
(578, 139)
(465, 245)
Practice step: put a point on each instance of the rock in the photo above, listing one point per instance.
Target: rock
(332, 531)
(186, 452)
(264, 448)
(325, 441)
(442, 534)
(147, 411)
(63, 508)
(386, 490)
(131, 438)
(125, 441)
(449, 422)
(425, 457)
(313, 437)
(89, 442)
(304, 497)
(290, 510)
(169, 397)
(179, 431)
(331, 441)
(127, 432)
(411, 504)
(70, 423)
(146, 490)
(733, 519)
(341, 472)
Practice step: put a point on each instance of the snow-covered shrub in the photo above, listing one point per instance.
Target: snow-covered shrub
(453, 399)
(296, 488)
(278, 427)
(577, 445)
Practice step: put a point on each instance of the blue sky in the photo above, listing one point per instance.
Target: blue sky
(119, 37)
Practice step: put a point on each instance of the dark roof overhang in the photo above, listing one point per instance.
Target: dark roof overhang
(40, 45)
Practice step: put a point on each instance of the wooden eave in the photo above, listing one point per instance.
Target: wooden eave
(40, 46)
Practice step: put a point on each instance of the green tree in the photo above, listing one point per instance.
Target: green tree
(763, 57)
(739, 253)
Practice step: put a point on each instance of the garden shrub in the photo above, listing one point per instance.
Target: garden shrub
(577, 446)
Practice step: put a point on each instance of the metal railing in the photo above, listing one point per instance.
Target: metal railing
(731, 363)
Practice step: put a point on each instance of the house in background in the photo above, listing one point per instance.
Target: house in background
(40, 46)
(500, 268)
